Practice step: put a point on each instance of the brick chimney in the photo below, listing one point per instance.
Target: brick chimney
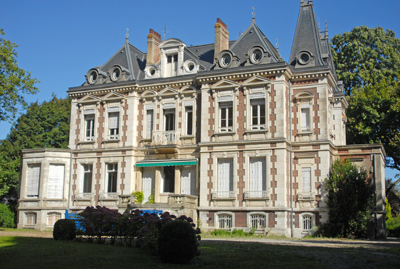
(221, 38)
(153, 49)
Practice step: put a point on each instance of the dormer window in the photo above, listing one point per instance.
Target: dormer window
(92, 77)
(115, 74)
(172, 65)
(226, 60)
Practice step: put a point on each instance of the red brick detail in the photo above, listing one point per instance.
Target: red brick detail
(273, 177)
(240, 173)
(366, 150)
(78, 125)
(100, 128)
(211, 120)
(272, 116)
(316, 147)
(273, 145)
(241, 119)
(304, 82)
(123, 165)
(241, 146)
(341, 151)
(210, 176)
(76, 155)
(271, 220)
(240, 219)
(296, 220)
(140, 122)
(97, 178)
(210, 148)
(99, 154)
(123, 152)
(125, 126)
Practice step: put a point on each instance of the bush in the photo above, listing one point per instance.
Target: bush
(177, 242)
(64, 229)
(393, 227)
(139, 196)
(6, 217)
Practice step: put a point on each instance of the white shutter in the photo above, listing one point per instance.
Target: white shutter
(225, 177)
(33, 180)
(306, 172)
(187, 180)
(305, 118)
(113, 120)
(55, 185)
(149, 123)
(148, 182)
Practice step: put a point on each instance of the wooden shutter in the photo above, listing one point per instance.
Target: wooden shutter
(55, 185)
(258, 175)
(225, 177)
(33, 180)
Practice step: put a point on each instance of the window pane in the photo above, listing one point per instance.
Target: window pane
(33, 180)
(113, 123)
(87, 178)
(112, 177)
(149, 124)
(189, 120)
(169, 117)
(55, 185)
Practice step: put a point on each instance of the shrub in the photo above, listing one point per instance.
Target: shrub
(177, 242)
(139, 196)
(64, 229)
(393, 227)
(6, 216)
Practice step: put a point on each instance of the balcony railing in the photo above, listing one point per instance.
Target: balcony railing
(83, 196)
(255, 195)
(223, 195)
(306, 196)
(165, 137)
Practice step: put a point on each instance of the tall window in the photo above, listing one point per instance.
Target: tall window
(189, 120)
(257, 221)
(305, 119)
(52, 218)
(113, 124)
(33, 181)
(30, 218)
(172, 65)
(307, 222)
(225, 221)
(169, 119)
(148, 182)
(87, 178)
(225, 178)
(89, 127)
(306, 175)
(258, 183)
(149, 123)
(226, 116)
(112, 173)
(258, 114)
(55, 187)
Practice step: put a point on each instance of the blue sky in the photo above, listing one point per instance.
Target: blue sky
(59, 41)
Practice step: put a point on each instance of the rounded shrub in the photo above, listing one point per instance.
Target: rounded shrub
(6, 217)
(64, 229)
(177, 242)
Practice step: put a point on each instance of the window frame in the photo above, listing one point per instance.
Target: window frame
(310, 219)
(250, 220)
(51, 215)
(28, 181)
(229, 122)
(264, 179)
(114, 179)
(259, 103)
(34, 219)
(225, 218)
(189, 120)
(84, 172)
(91, 128)
(113, 132)
(168, 115)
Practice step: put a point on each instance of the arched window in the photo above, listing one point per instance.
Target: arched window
(224, 221)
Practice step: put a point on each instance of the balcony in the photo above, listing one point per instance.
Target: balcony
(306, 196)
(256, 195)
(165, 141)
(223, 195)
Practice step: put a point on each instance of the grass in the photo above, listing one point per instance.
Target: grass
(30, 252)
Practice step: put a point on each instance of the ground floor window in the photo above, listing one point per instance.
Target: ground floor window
(225, 221)
(30, 218)
(307, 222)
(52, 218)
(257, 221)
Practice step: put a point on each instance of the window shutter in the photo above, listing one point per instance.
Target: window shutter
(188, 180)
(148, 182)
(113, 120)
(306, 172)
(149, 124)
(55, 185)
(305, 118)
(225, 177)
(33, 180)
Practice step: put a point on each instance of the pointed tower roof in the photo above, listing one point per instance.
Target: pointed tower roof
(307, 48)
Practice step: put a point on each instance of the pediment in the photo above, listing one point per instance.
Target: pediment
(87, 99)
(225, 84)
(113, 96)
(168, 91)
(256, 81)
(149, 94)
(173, 42)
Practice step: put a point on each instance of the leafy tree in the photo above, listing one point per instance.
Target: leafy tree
(14, 81)
(367, 60)
(350, 196)
(6, 217)
(44, 125)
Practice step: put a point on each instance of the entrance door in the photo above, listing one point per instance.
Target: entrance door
(148, 179)
(169, 179)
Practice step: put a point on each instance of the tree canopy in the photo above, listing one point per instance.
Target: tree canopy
(44, 125)
(14, 81)
(368, 62)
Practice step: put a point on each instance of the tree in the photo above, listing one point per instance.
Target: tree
(14, 81)
(368, 62)
(44, 125)
(350, 197)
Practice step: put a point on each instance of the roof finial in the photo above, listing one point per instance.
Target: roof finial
(326, 27)
(127, 35)
(277, 44)
(254, 15)
(165, 31)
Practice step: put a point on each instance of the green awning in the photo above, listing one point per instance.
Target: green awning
(153, 163)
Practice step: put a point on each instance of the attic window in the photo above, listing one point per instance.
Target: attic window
(225, 60)
(304, 57)
(256, 56)
(92, 78)
(115, 74)
(189, 66)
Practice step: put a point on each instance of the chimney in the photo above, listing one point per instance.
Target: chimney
(221, 38)
(153, 49)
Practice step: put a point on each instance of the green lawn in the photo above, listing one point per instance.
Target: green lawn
(30, 252)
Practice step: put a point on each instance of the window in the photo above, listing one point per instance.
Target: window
(225, 221)
(33, 181)
(189, 120)
(87, 178)
(305, 119)
(258, 114)
(30, 218)
(112, 172)
(149, 123)
(225, 178)
(52, 218)
(188, 180)
(257, 221)
(55, 187)
(307, 222)
(226, 116)
(306, 175)
(169, 119)
(89, 127)
(148, 183)
(258, 183)
(168, 179)
(113, 123)
(172, 65)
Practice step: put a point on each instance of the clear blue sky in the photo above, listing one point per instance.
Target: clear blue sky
(59, 41)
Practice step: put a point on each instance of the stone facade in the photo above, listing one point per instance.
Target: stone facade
(227, 133)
